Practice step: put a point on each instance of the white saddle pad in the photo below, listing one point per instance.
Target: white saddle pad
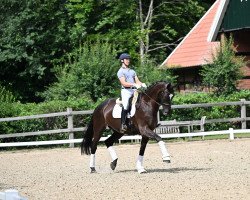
(117, 110)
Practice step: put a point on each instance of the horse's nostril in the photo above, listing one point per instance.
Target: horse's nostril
(165, 112)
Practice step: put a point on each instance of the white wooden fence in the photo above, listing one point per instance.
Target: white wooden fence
(231, 135)
(11, 195)
(243, 118)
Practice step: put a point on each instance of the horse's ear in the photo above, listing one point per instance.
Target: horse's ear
(170, 88)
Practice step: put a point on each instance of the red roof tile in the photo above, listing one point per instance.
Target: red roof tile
(195, 49)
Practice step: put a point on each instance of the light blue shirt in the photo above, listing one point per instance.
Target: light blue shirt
(128, 73)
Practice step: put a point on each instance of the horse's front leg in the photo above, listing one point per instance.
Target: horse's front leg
(139, 162)
(149, 133)
(109, 143)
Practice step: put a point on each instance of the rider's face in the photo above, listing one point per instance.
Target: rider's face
(126, 62)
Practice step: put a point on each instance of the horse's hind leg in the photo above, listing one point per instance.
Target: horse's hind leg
(92, 156)
(109, 143)
(96, 138)
(139, 162)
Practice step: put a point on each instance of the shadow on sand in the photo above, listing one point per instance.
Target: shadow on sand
(164, 170)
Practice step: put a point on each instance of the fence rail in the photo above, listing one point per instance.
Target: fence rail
(11, 194)
(231, 133)
(71, 129)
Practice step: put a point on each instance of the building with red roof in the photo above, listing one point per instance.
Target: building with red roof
(225, 17)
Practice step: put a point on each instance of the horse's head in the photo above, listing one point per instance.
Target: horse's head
(161, 93)
(165, 96)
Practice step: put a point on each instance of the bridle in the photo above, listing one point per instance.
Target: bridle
(160, 104)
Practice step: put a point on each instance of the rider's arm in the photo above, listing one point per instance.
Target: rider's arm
(124, 83)
(137, 81)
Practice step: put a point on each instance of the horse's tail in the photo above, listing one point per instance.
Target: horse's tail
(87, 139)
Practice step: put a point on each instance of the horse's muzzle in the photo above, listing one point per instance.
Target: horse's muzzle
(165, 112)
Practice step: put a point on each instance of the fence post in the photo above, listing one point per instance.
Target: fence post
(243, 114)
(231, 133)
(70, 126)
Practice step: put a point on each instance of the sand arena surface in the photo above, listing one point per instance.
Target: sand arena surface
(217, 169)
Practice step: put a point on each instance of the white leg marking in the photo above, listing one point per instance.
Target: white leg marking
(165, 154)
(112, 153)
(92, 160)
(139, 165)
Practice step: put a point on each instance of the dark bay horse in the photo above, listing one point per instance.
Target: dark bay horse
(143, 122)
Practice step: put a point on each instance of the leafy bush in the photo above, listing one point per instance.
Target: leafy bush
(225, 70)
(149, 73)
(6, 96)
(31, 125)
(89, 72)
(215, 112)
(18, 109)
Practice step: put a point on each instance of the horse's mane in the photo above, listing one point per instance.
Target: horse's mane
(153, 84)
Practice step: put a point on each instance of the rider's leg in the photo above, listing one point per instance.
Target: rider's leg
(123, 120)
(126, 94)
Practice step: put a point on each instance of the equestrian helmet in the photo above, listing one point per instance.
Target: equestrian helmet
(124, 56)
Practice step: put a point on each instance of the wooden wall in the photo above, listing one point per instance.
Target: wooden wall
(242, 45)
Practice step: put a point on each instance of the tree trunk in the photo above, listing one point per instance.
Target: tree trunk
(145, 25)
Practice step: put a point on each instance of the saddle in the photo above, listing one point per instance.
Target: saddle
(117, 110)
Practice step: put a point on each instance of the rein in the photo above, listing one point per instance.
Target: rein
(167, 104)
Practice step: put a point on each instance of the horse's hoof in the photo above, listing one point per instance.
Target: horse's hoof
(166, 159)
(142, 171)
(113, 164)
(92, 170)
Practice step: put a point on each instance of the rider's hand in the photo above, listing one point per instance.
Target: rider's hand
(144, 85)
(137, 86)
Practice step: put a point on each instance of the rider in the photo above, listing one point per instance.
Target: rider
(129, 83)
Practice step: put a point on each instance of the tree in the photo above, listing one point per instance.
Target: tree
(147, 28)
(81, 13)
(163, 24)
(91, 73)
(149, 74)
(32, 35)
(35, 35)
(117, 24)
(225, 70)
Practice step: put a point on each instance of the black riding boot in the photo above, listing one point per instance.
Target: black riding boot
(123, 121)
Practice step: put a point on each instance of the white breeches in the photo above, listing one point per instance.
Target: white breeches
(126, 94)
